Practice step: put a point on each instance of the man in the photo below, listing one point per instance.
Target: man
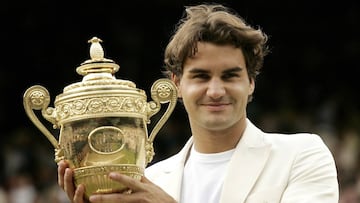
(214, 58)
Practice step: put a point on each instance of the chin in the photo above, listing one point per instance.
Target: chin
(218, 124)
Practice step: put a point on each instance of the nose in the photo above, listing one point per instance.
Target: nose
(216, 88)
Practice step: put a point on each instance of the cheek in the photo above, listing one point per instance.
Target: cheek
(240, 92)
(182, 91)
(188, 90)
(181, 88)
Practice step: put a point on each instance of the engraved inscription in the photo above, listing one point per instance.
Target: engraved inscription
(106, 139)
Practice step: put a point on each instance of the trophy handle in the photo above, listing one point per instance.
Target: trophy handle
(38, 98)
(162, 91)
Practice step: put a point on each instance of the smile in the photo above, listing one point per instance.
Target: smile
(216, 106)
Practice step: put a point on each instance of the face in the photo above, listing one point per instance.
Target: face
(215, 87)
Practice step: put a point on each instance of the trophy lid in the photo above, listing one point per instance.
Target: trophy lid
(99, 93)
(98, 70)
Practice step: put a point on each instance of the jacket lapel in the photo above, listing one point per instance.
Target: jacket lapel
(174, 172)
(249, 159)
(245, 166)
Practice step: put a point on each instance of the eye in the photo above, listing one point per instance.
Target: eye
(230, 75)
(203, 76)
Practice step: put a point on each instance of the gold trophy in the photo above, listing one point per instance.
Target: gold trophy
(102, 121)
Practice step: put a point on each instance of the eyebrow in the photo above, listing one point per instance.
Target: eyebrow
(234, 69)
(199, 70)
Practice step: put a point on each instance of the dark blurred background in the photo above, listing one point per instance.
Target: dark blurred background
(309, 82)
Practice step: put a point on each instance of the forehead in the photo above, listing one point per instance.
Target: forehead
(212, 56)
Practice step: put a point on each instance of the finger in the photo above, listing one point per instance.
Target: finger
(114, 197)
(79, 194)
(127, 181)
(62, 165)
(69, 186)
(100, 198)
(145, 180)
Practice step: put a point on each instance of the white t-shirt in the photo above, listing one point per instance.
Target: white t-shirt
(204, 176)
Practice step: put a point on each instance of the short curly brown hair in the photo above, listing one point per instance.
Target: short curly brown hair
(216, 24)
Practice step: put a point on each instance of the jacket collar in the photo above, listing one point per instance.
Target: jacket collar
(249, 159)
(173, 171)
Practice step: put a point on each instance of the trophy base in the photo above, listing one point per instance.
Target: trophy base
(96, 179)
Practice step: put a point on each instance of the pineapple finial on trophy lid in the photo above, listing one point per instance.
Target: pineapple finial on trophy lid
(98, 67)
(96, 50)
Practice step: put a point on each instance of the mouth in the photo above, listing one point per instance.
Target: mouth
(216, 106)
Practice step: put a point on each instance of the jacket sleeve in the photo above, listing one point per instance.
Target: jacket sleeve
(313, 176)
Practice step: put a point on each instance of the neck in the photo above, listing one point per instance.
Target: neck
(214, 141)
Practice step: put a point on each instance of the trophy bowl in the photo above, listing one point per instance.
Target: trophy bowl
(102, 122)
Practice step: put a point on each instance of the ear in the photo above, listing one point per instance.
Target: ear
(176, 80)
(251, 86)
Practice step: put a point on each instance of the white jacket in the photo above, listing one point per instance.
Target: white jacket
(265, 167)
